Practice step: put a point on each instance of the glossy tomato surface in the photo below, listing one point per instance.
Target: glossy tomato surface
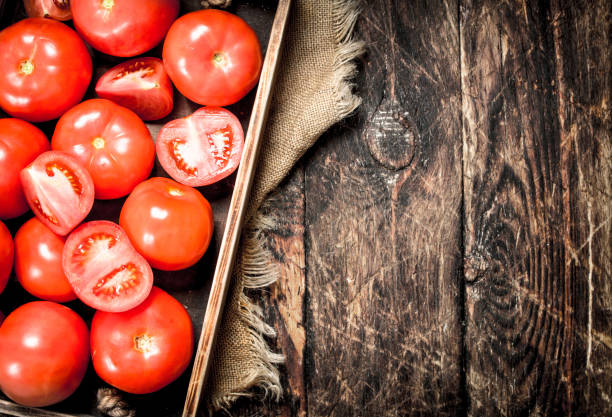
(202, 148)
(6, 255)
(55, 9)
(38, 262)
(104, 269)
(144, 349)
(45, 69)
(59, 190)
(20, 143)
(213, 57)
(170, 224)
(142, 85)
(110, 141)
(123, 27)
(44, 353)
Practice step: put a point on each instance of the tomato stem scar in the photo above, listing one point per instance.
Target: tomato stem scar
(174, 192)
(219, 59)
(144, 343)
(108, 4)
(26, 67)
(98, 143)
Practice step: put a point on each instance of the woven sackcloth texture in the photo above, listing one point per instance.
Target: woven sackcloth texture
(313, 91)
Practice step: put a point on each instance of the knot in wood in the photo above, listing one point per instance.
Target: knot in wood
(216, 3)
(391, 135)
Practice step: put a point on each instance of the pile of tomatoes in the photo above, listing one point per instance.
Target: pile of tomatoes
(140, 338)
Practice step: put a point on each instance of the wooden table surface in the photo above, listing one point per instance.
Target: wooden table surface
(448, 249)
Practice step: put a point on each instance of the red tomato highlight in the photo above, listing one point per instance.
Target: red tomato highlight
(142, 85)
(213, 57)
(202, 148)
(44, 353)
(38, 262)
(6, 255)
(168, 223)
(45, 69)
(123, 27)
(20, 143)
(144, 349)
(111, 141)
(104, 269)
(59, 190)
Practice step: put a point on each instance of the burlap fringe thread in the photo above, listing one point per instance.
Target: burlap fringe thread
(256, 269)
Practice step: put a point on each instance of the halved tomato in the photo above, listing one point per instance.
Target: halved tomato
(59, 190)
(38, 262)
(55, 9)
(6, 255)
(202, 148)
(104, 269)
(142, 85)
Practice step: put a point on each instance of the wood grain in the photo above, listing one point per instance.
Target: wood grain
(529, 210)
(383, 227)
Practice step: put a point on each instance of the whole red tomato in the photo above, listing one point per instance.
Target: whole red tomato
(55, 9)
(6, 255)
(38, 262)
(20, 143)
(202, 148)
(141, 84)
(144, 349)
(212, 57)
(45, 69)
(44, 353)
(170, 224)
(123, 27)
(112, 142)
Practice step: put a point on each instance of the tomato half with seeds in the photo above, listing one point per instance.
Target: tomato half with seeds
(38, 262)
(55, 9)
(202, 148)
(44, 353)
(45, 68)
(142, 85)
(123, 27)
(144, 349)
(213, 57)
(111, 141)
(170, 224)
(20, 143)
(104, 269)
(59, 190)
(6, 255)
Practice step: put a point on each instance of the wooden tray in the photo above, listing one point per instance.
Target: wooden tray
(200, 290)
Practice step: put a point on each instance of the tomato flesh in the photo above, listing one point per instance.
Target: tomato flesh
(7, 251)
(144, 349)
(38, 262)
(103, 268)
(141, 85)
(44, 353)
(202, 148)
(59, 190)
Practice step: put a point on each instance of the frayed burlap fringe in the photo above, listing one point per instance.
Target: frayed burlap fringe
(254, 267)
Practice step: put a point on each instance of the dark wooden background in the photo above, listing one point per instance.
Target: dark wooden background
(448, 249)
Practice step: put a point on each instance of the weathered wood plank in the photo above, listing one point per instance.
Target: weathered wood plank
(536, 185)
(383, 227)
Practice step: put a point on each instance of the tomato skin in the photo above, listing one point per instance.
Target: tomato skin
(141, 84)
(54, 75)
(38, 262)
(104, 269)
(44, 353)
(55, 9)
(144, 349)
(111, 141)
(59, 190)
(170, 224)
(20, 143)
(123, 27)
(213, 57)
(202, 148)
(7, 251)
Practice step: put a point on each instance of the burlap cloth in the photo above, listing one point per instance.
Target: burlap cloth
(313, 91)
